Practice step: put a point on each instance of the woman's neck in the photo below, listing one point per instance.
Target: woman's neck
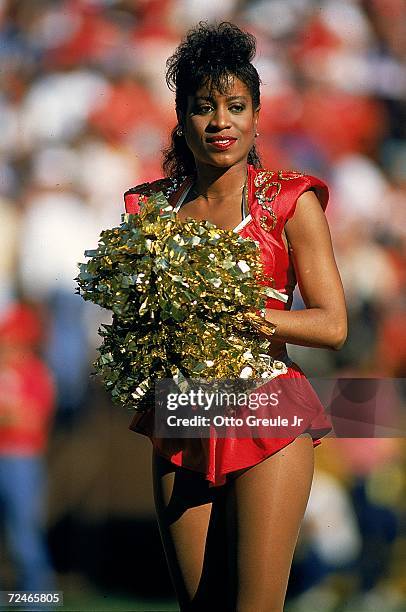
(220, 183)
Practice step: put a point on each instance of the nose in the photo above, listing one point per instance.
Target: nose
(220, 120)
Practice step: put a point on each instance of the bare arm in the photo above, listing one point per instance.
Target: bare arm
(323, 323)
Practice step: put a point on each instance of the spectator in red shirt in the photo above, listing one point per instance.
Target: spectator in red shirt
(26, 407)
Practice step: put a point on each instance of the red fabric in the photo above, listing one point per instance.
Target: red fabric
(26, 405)
(216, 457)
(275, 258)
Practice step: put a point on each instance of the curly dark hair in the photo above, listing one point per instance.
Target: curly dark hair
(208, 56)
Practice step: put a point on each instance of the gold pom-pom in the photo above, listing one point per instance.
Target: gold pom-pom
(185, 297)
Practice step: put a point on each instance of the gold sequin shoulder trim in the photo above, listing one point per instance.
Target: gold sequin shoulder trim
(269, 185)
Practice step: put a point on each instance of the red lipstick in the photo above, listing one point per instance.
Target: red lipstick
(221, 143)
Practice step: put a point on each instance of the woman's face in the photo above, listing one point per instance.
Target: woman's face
(220, 128)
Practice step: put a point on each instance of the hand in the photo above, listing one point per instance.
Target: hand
(257, 319)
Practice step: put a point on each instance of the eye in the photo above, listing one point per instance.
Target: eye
(203, 109)
(237, 108)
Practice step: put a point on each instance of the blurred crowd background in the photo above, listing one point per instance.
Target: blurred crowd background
(84, 115)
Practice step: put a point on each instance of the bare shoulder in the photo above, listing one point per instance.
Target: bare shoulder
(312, 253)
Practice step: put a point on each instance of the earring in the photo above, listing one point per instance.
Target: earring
(179, 131)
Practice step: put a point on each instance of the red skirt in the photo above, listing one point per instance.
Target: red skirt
(216, 457)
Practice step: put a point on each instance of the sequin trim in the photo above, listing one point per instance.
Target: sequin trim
(168, 186)
(263, 182)
(289, 175)
(267, 192)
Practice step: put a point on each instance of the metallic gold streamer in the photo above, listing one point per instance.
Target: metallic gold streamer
(184, 297)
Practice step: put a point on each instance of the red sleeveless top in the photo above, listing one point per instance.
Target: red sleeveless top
(272, 198)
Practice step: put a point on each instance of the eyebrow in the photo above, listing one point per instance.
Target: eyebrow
(228, 98)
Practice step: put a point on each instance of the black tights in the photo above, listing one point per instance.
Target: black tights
(230, 548)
